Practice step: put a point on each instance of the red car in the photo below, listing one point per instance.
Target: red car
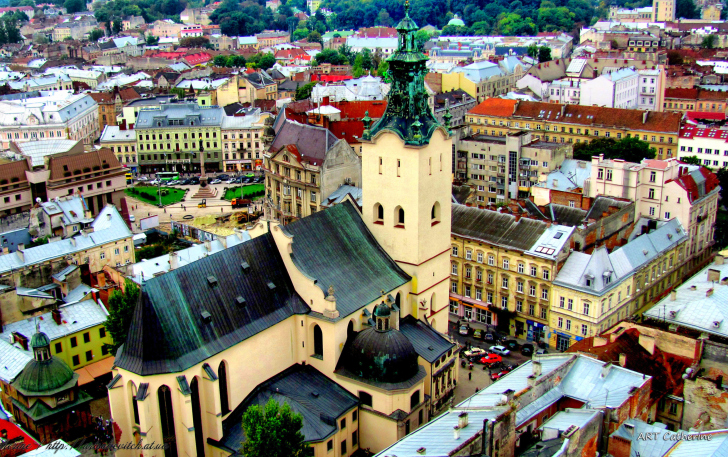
(491, 358)
(500, 374)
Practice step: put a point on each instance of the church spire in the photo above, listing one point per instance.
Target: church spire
(408, 113)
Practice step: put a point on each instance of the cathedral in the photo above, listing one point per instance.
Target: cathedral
(343, 314)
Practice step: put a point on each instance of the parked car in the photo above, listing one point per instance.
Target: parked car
(491, 358)
(142, 178)
(489, 337)
(230, 181)
(501, 350)
(173, 183)
(511, 344)
(464, 330)
(132, 218)
(500, 374)
(478, 334)
(527, 349)
(475, 352)
(258, 179)
(215, 181)
(541, 351)
(222, 177)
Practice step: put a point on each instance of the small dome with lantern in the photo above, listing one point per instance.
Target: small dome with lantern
(46, 374)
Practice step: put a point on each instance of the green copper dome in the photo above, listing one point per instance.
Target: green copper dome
(381, 356)
(382, 310)
(45, 377)
(45, 374)
(40, 340)
(408, 112)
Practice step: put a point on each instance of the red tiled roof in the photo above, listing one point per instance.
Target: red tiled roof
(494, 107)
(29, 444)
(665, 369)
(289, 53)
(696, 192)
(702, 115)
(377, 32)
(330, 78)
(169, 55)
(195, 59)
(691, 131)
(599, 117)
(695, 94)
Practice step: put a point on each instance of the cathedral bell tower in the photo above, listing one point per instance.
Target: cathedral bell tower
(407, 181)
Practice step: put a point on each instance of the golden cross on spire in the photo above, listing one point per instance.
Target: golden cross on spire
(406, 6)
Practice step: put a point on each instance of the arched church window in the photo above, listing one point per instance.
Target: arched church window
(223, 386)
(318, 341)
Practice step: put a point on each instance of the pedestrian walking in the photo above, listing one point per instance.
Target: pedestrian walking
(470, 376)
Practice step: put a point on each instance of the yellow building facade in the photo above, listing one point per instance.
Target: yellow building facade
(498, 278)
(593, 292)
(576, 124)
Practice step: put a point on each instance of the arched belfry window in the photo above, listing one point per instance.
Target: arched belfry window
(318, 341)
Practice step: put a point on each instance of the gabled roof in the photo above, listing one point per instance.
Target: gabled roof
(311, 142)
(169, 333)
(495, 107)
(307, 391)
(665, 369)
(698, 183)
(335, 247)
(496, 228)
(428, 342)
(101, 159)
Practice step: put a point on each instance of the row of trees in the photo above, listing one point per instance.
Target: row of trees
(263, 61)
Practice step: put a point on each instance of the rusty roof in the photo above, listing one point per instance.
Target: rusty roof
(594, 116)
(14, 171)
(495, 107)
(76, 164)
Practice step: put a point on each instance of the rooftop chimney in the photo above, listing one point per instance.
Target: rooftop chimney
(623, 360)
(673, 295)
(208, 245)
(719, 259)
(645, 115)
(463, 419)
(606, 368)
(56, 313)
(599, 341)
(709, 292)
(536, 366)
(173, 260)
(456, 433)
(647, 342)
(713, 275)
(21, 255)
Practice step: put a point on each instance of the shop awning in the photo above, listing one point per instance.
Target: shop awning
(95, 370)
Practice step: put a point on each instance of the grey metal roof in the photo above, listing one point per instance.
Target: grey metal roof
(601, 204)
(169, 333)
(429, 344)
(76, 317)
(632, 429)
(566, 215)
(308, 392)
(696, 309)
(496, 228)
(108, 226)
(565, 419)
(715, 447)
(437, 435)
(73, 209)
(620, 263)
(571, 174)
(61, 275)
(79, 293)
(148, 268)
(12, 360)
(312, 142)
(38, 150)
(186, 113)
(338, 195)
(335, 247)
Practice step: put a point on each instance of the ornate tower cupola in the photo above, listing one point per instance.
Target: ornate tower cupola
(382, 314)
(408, 113)
(41, 345)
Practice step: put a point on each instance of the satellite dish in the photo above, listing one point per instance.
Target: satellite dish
(37, 200)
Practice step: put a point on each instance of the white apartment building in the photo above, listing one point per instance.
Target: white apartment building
(566, 91)
(242, 141)
(53, 115)
(664, 189)
(710, 145)
(617, 89)
(651, 89)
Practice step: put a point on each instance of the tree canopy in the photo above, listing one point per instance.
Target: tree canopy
(272, 431)
(121, 312)
(629, 149)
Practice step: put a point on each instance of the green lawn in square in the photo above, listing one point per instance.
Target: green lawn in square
(148, 194)
(243, 191)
